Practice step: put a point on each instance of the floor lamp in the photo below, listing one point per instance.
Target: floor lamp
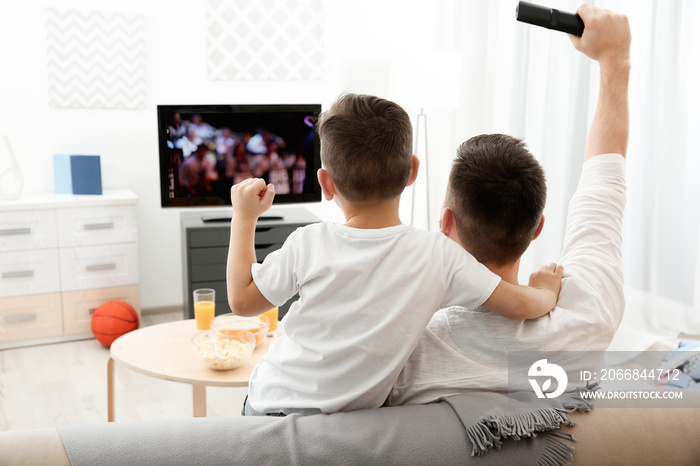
(422, 129)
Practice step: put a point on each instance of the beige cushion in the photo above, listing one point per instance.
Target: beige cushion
(634, 436)
(32, 447)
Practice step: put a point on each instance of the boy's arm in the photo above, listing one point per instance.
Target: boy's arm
(528, 302)
(607, 40)
(250, 199)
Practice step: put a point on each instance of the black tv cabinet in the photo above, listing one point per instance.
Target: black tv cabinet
(205, 248)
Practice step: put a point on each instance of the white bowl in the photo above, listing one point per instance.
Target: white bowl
(223, 352)
(231, 323)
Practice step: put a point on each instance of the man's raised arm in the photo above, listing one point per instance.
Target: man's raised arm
(606, 39)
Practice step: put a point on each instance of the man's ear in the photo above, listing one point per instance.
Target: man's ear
(326, 182)
(539, 229)
(447, 221)
(415, 163)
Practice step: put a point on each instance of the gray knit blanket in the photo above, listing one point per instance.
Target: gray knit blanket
(482, 428)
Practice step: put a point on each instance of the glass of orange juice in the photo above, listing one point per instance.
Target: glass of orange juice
(204, 307)
(273, 314)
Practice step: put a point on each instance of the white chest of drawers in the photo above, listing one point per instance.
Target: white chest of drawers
(61, 256)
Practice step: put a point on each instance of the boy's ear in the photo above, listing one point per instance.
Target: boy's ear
(326, 182)
(415, 163)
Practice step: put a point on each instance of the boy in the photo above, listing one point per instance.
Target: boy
(367, 288)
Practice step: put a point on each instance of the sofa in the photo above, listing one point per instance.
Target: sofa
(462, 429)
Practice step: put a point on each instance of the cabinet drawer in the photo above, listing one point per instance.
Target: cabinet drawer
(210, 238)
(99, 266)
(203, 256)
(204, 273)
(264, 235)
(210, 263)
(96, 225)
(26, 230)
(273, 235)
(25, 317)
(29, 272)
(208, 256)
(78, 306)
(261, 252)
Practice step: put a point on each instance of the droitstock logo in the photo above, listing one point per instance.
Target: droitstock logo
(542, 369)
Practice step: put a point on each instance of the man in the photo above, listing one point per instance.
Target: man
(493, 208)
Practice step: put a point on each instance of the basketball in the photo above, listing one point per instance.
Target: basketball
(112, 320)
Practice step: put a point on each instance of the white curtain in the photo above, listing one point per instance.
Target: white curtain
(662, 231)
(530, 82)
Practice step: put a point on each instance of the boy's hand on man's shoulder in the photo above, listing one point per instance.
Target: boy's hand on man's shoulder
(251, 198)
(548, 278)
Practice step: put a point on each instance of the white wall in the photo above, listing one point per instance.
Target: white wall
(361, 37)
(514, 79)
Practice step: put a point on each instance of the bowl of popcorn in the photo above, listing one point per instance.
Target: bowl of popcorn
(226, 324)
(223, 353)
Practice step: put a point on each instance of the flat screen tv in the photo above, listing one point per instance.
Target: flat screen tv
(205, 149)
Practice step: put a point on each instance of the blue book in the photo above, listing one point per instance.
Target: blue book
(77, 174)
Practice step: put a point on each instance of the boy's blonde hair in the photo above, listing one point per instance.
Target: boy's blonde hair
(366, 146)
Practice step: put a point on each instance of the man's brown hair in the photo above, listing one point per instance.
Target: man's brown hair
(497, 191)
(366, 146)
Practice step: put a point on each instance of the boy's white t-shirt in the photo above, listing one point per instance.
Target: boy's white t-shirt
(366, 295)
(467, 348)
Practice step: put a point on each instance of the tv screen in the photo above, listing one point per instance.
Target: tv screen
(205, 149)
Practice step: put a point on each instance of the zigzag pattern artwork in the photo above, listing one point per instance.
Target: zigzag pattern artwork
(95, 59)
(265, 40)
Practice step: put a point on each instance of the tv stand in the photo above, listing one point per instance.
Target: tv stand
(216, 218)
(212, 218)
(205, 238)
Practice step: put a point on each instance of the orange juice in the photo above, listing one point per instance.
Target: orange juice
(203, 314)
(273, 315)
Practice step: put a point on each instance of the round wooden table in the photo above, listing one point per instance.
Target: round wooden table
(165, 351)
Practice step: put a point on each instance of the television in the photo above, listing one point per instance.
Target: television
(205, 149)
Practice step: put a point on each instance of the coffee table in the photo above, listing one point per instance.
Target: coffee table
(165, 351)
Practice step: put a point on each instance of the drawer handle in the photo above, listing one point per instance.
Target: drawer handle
(15, 231)
(98, 226)
(98, 267)
(18, 274)
(22, 318)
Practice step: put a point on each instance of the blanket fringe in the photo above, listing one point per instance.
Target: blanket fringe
(556, 452)
(490, 432)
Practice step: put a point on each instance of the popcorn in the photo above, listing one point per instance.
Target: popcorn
(224, 353)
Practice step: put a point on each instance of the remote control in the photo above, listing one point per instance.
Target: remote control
(549, 18)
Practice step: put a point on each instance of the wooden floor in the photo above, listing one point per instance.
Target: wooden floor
(66, 383)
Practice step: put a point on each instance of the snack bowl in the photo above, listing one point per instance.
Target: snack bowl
(223, 353)
(226, 324)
